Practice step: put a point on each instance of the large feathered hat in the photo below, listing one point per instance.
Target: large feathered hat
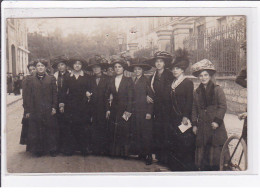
(161, 55)
(59, 59)
(181, 59)
(203, 65)
(75, 58)
(118, 59)
(139, 62)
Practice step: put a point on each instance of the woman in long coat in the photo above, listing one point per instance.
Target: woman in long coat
(42, 104)
(9, 83)
(60, 63)
(142, 112)
(25, 120)
(120, 110)
(160, 81)
(98, 87)
(182, 153)
(76, 109)
(209, 108)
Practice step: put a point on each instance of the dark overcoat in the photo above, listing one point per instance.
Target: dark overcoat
(119, 128)
(207, 109)
(98, 104)
(62, 123)
(182, 154)
(77, 112)
(141, 127)
(41, 99)
(25, 121)
(161, 112)
(9, 84)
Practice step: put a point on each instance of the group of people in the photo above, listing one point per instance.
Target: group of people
(14, 83)
(114, 115)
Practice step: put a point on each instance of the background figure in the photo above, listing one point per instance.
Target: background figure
(17, 86)
(98, 86)
(42, 103)
(9, 83)
(142, 112)
(182, 153)
(76, 108)
(25, 86)
(209, 108)
(161, 79)
(119, 113)
(60, 63)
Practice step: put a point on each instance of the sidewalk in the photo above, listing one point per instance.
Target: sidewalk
(11, 99)
(233, 125)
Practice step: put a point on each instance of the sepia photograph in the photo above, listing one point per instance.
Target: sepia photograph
(126, 94)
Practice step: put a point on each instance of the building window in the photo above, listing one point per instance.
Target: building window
(222, 22)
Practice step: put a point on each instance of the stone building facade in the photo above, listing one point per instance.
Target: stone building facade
(16, 46)
(169, 33)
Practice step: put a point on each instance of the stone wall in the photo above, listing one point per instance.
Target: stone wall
(236, 95)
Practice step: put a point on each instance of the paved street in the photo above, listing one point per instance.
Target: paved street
(18, 161)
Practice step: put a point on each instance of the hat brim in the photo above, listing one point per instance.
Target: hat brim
(167, 61)
(210, 71)
(71, 62)
(55, 64)
(143, 66)
(90, 67)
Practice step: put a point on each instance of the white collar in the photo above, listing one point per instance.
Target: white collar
(177, 82)
(81, 73)
(180, 77)
(119, 76)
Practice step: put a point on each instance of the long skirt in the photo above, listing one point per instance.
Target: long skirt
(24, 132)
(182, 151)
(141, 135)
(99, 137)
(119, 136)
(208, 157)
(42, 134)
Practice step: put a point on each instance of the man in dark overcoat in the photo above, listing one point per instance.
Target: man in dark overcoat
(42, 104)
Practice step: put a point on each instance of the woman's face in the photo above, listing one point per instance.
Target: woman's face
(62, 67)
(159, 64)
(204, 77)
(138, 71)
(110, 71)
(32, 69)
(176, 71)
(77, 66)
(40, 68)
(118, 69)
(96, 69)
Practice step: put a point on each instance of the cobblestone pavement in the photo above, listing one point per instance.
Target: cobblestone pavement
(18, 161)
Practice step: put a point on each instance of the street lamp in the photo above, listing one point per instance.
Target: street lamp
(120, 39)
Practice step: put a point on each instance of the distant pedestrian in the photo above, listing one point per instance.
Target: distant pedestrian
(209, 108)
(17, 86)
(9, 83)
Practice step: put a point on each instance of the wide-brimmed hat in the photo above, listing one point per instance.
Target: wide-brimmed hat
(181, 60)
(73, 59)
(139, 62)
(97, 61)
(161, 55)
(42, 61)
(59, 59)
(31, 64)
(117, 59)
(203, 65)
